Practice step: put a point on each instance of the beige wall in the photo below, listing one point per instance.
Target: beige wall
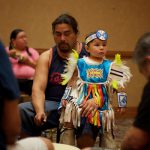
(135, 86)
(124, 20)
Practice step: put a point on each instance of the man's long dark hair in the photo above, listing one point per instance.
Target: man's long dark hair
(13, 35)
(67, 19)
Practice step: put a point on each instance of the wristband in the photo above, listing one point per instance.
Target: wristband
(122, 99)
(67, 93)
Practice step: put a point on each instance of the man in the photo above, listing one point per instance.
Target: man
(9, 113)
(47, 90)
(138, 137)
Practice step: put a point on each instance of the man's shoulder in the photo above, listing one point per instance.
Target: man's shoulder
(50, 50)
(46, 54)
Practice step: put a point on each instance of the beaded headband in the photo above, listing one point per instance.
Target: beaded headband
(100, 34)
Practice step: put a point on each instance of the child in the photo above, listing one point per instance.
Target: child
(97, 77)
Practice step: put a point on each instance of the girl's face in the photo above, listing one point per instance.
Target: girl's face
(21, 41)
(97, 48)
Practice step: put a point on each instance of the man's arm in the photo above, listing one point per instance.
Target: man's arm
(136, 139)
(39, 86)
(11, 120)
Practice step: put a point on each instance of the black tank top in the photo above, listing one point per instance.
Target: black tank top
(55, 90)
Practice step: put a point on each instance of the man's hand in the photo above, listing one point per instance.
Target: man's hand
(88, 107)
(40, 118)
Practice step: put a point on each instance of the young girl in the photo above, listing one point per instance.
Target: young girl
(97, 77)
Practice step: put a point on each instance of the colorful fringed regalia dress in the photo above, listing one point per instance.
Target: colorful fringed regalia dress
(95, 81)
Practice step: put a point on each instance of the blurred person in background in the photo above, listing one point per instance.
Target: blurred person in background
(138, 136)
(23, 60)
(9, 112)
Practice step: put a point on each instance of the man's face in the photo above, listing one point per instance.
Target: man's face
(64, 37)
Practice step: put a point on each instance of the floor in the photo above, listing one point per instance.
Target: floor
(122, 125)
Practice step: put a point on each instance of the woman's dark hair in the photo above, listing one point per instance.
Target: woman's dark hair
(67, 19)
(13, 35)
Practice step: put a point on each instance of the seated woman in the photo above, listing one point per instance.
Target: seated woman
(23, 60)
